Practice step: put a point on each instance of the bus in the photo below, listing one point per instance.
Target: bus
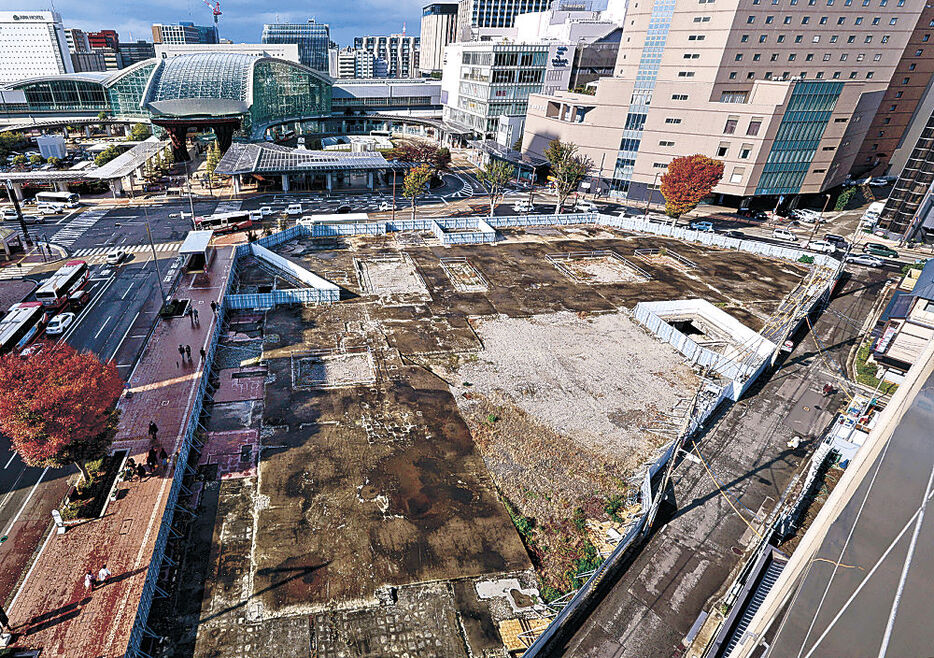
(226, 222)
(67, 199)
(56, 289)
(22, 323)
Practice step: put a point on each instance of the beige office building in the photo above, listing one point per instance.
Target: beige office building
(782, 91)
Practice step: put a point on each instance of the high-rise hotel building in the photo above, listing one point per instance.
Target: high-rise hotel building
(784, 92)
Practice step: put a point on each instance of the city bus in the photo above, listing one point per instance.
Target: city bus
(226, 222)
(22, 323)
(67, 199)
(56, 289)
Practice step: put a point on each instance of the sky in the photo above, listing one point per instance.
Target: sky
(241, 21)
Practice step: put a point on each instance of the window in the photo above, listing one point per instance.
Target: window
(885, 38)
(858, 21)
(679, 97)
(898, 94)
(787, 20)
(780, 38)
(809, 57)
(751, 76)
(798, 38)
(833, 38)
(762, 38)
(819, 171)
(868, 38)
(672, 120)
(730, 126)
(840, 120)
(691, 55)
(773, 57)
(877, 57)
(666, 143)
(805, 20)
(868, 75)
(722, 151)
(911, 67)
(750, 20)
(843, 57)
(823, 20)
(851, 38)
(659, 165)
(860, 57)
(828, 148)
(685, 74)
(820, 75)
(739, 57)
(892, 108)
(905, 81)
(754, 125)
(702, 19)
(815, 38)
(737, 175)
(918, 52)
(875, 21)
(841, 20)
(893, 21)
(852, 75)
(756, 57)
(769, 19)
(826, 57)
(792, 57)
(744, 38)
(925, 37)
(745, 151)
(836, 75)
(732, 75)
(696, 37)
(886, 121)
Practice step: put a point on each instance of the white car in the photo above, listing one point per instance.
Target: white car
(878, 182)
(50, 209)
(865, 259)
(784, 234)
(265, 211)
(385, 205)
(9, 213)
(294, 209)
(524, 207)
(116, 256)
(583, 205)
(823, 246)
(59, 324)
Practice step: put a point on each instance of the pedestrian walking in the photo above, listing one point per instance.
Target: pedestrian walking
(152, 460)
(203, 354)
(141, 471)
(103, 575)
(188, 352)
(153, 430)
(195, 312)
(214, 307)
(163, 457)
(5, 621)
(181, 351)
(191, 315)
(89, 580)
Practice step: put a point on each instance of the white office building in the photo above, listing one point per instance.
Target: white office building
(286, 51)
(32, 43)
(354, 63)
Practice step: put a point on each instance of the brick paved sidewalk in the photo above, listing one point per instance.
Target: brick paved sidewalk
(53, 611)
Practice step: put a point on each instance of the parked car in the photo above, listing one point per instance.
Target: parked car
(9, 213)
(385, 205)
(733, 233)
(265, 211)
(343, 210)
(806, 216)
(117, 256)
(784, 234)
(878, 182)
(702, 226)
(837, 240)
(585, 205)
(59, 324)
(865, 259)
(523, 207)
(294, 209)
(877, 249)
(822, 246)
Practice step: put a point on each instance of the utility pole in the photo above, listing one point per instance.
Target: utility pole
(648, 199)
(820, 219)
(191, 203)
(155, 262)
(19, 211)
(394, 194)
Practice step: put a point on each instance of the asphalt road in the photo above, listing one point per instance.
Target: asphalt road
(652, 605)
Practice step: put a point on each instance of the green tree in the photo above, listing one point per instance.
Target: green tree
(687, 181)
(568, 169)
(494, 177)
(213, 157)
(139, 132)
(55, 162)
(416, 183)
(107, 155)
(517, 145)
(19, 160)
(36, 159)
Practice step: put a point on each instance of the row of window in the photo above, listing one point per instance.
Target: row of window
(837, 75)
(834, 38)
(806, 20)
(830, 3)
(809, 57)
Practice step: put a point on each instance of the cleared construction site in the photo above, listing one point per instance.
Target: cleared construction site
(448, 450)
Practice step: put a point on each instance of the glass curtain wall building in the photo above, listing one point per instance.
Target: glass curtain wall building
(313, 40)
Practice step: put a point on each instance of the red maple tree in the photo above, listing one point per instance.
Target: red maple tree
(688, 180)
(59, 406)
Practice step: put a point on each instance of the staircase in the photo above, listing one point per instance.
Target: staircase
(768, 579)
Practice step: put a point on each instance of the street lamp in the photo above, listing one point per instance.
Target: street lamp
(820, 219)
(19, 211)
(648, 199)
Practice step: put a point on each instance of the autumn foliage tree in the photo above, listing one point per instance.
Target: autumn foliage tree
(688, 180)
(416, 183)
(438, 158)
(59, 406)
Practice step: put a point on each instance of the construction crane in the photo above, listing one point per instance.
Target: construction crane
(215, 9)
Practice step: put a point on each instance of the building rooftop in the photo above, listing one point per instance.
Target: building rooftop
(272, 158)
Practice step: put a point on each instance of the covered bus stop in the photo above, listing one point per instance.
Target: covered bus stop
(196, 251)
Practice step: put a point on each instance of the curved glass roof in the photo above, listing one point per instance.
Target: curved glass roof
(204, 75)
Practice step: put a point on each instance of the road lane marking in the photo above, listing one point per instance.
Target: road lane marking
(25, 502)
(129, 288)
(130, 326)
(101, 329)
(10, 461)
